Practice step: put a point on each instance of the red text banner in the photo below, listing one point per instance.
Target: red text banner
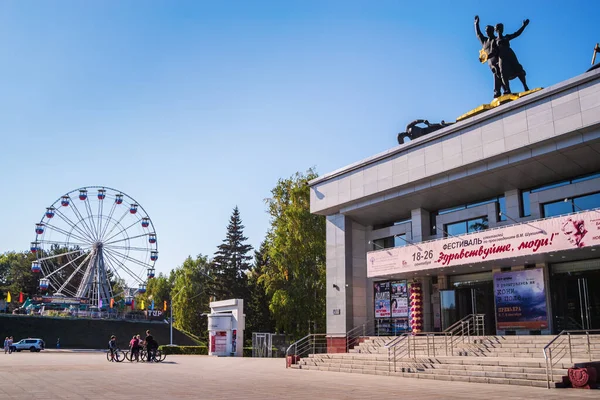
(543, 236)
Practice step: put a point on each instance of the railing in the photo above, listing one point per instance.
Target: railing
(408, 345)
(564, 345)
(356, 335)
(313, 343)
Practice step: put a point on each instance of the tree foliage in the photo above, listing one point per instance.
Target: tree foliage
(16, 275)
(294, 276)
(191, 293)
(231, 261)
(258, 315)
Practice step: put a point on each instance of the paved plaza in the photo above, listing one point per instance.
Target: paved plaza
(69, 375)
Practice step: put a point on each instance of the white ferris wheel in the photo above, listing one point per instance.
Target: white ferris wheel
(95, 243)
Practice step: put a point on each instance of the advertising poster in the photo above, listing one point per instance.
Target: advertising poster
(573, 231)
(382, 300)
(399, 302)
(520, 300)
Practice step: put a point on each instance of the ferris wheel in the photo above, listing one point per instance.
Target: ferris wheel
(95, 243)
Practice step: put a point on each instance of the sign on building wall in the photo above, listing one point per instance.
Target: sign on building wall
(382, 300)
(543, 236)
(520, 300)
(399, 299)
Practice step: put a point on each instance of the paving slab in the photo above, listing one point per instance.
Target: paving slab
(85, 375)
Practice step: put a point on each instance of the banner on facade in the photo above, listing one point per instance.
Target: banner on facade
(59, 300)
(542, 236)
(520, 300)
(399, 302)
(382, 299)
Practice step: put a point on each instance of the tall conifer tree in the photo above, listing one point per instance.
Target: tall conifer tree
(231, 261)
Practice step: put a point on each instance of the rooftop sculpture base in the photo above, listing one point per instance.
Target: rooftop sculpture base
(495, 103)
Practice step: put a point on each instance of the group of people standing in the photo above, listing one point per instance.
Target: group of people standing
(501, 59)
(8, 344)
(136, 344)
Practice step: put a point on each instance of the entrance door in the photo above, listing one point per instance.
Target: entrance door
(577, 300)
(472, 299)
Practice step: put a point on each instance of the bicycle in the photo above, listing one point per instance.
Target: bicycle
(119, 355)
(159, 356)
(137, 357)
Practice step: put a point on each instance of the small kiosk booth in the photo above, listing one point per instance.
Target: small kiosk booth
(226, 323)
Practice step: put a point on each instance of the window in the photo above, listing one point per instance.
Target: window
(501, 209)
(390, 241)
(580, 203)
(388, 224)
(557, 208)
(383, 243)
(400, 240)
(472, 225)
(525, 203)
(500, 200)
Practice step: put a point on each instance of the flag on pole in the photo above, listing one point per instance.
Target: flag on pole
(165, 305)
(112, 303)
(142, 306)
(152, 306)
(21, 297)
(8, 298)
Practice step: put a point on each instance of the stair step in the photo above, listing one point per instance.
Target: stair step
(442, 377)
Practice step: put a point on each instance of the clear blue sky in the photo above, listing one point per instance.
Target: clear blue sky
(193, 107)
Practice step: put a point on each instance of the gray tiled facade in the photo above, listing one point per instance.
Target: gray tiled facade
(553, 133)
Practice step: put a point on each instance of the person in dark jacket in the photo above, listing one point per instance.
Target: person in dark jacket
(151, 346)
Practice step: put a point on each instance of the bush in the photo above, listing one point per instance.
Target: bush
(196, 350)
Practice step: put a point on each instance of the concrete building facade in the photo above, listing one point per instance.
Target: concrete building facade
(516, 166)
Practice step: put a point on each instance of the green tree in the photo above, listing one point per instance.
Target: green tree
(159, 290)
(258, 315)
(191, 292)
(294, 276)
(231, 261)
(16, 275)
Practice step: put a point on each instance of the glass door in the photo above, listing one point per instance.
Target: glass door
(576, 299)
(589, 302)
(448, 308)
(464, 300)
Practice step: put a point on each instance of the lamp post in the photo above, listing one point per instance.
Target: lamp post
(171, 319)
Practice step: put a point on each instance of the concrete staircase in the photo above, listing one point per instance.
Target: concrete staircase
(512, 360)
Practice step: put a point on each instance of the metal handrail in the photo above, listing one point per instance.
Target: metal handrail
(405, 346)
(562, 351)
(307, 345)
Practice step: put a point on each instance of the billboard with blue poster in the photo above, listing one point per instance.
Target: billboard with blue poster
(520, 300)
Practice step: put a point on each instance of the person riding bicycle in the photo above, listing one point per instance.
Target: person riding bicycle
(151, 346)
(112, 346)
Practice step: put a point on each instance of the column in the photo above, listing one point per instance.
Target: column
(338, 281)
(421, 224)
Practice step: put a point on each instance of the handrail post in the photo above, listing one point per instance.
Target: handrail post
(394, 358)
(389, 361)
(446, 343)
(551, 367)
(570, 348)
(547, 373)
(314, 340)
(587, 335)
(427, 341)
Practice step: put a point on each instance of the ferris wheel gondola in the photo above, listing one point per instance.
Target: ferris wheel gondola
(95, 243)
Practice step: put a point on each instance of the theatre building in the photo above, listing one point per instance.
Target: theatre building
(496, 215)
